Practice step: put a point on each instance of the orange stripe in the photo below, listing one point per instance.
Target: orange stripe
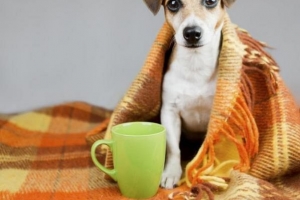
(110, 193)
(17, 137)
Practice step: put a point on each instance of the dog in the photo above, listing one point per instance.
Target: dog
(189, 83)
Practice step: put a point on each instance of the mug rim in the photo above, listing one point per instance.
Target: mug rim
(163, 129)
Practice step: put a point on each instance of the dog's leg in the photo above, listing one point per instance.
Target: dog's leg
(171, 120)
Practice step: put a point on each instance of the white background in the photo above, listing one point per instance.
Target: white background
(55, 51)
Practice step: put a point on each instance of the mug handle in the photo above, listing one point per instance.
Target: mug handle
(110, 172)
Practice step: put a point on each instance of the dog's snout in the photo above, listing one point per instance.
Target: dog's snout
(192, 34)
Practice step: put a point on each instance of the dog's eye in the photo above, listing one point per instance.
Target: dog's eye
(210, 3)
(174, 5)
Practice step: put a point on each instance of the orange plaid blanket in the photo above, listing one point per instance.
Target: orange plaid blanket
(44, 155)
(251, 147)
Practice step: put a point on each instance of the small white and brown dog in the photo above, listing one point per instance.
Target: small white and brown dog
(190, 82)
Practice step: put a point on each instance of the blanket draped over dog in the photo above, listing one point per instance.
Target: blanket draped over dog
(251, 150)
(253, 135)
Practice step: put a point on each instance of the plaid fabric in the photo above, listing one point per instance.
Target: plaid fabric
(44, 155)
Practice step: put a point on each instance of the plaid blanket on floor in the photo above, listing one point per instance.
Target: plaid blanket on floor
(44, 155)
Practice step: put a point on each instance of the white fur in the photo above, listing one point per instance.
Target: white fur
(188, 92)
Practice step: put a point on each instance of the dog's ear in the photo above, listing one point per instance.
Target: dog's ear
(228, 3)
(153, 5)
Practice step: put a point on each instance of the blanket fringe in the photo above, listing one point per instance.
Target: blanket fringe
(257, 59)
(206, 164)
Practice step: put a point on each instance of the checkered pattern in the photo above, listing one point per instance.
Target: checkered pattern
(44, 155)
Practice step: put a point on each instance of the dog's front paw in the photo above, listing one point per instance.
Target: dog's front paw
(171, 176)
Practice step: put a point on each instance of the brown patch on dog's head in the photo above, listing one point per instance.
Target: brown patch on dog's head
(153, 5)
(228, 3)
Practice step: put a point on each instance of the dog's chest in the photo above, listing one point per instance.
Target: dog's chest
(194, 106)
(189, 86)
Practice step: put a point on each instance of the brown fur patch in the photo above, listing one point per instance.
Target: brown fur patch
(228, 3)
(154, 5)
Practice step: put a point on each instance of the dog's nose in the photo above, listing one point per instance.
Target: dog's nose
(192, 34)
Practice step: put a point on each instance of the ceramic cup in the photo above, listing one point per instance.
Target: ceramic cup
(138, 150)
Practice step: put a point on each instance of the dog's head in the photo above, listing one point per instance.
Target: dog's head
(195, 22)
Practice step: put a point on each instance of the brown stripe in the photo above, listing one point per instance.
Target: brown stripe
(46, 158)
(64, 161)
(31, 150)
(16, 151)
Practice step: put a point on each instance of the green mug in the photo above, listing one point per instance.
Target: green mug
(138, 150)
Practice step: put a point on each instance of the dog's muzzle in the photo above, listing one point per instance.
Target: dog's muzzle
(192, 35)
